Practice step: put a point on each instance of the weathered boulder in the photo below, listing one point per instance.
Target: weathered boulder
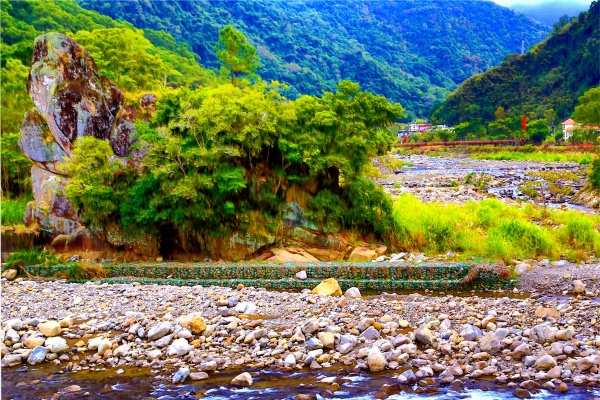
(353, 293)
(292, 255)
(66, 88)
(181, 375)
(327, 339)
(51, 210)
(362, 253)
(375, 360)
(544, 363)
(489, 343)
(197, 324)
(49, 328)
(122, 136)
(325, 254)
(158, 331)
(544, 333)
(244, 379)
(578, 286)
(37, 355)
(10, 274)
(425, 336)
(329, 287)
(179, 347)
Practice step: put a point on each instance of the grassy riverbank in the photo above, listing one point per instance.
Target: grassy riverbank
(488, 230)
(580, 155)
(494, 230)
(536, 156)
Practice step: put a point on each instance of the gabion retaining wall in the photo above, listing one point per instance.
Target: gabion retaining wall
(364, 275)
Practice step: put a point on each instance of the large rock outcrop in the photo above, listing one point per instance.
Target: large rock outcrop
(71, 100)
(67, 90)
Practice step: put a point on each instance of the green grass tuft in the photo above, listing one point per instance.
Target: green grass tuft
(35, 256)
(13, 211)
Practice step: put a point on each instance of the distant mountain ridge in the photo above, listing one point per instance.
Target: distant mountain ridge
(551, 76)
(549, 13)
(413, 52)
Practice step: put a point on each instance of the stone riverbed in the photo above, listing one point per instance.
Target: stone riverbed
(180, 336)
(443, 179)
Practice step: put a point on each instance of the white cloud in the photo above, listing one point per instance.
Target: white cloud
(507, 3)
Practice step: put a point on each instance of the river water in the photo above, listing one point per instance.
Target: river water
(45, 382)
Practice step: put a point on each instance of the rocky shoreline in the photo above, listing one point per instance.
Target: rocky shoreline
(190, 333)
(444, 179)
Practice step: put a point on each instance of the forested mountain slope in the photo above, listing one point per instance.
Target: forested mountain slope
(413, 52)
(550, 76)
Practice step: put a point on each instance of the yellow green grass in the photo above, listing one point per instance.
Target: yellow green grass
(535, 156)
(493, 230)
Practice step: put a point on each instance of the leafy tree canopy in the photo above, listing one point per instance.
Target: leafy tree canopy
(219, 157)
(588, 110)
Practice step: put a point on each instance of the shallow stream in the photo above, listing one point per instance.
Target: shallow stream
(45, 381)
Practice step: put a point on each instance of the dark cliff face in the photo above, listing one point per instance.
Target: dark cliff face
(72, 100)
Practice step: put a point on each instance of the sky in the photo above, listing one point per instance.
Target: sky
(507, 3)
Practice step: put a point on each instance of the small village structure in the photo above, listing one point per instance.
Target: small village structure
(569, 125)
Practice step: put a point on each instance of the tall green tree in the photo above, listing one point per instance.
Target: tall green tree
(338, 133)
(551, 117)
(588, 110)
(537, 131)
(98, 181)
(237, 56)
(122, 55)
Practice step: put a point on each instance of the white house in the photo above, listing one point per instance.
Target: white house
(567, 128)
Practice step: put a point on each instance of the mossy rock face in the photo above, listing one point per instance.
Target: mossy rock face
(587, 197)
(238, 246)
(53, 224)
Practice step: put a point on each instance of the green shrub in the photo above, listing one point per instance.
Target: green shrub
(13, 211)
(81, 270)
(579, 233)
(370, 208)
(586, 159)
(514, 238)
(469, 178)
(328, 210)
